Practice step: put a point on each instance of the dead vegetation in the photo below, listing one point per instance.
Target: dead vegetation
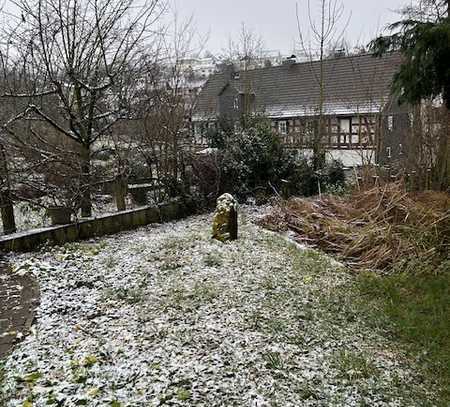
(376, 229)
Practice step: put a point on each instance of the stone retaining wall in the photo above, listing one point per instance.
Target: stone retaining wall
(99, 226)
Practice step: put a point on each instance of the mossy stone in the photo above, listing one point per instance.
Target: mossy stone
(225, 224)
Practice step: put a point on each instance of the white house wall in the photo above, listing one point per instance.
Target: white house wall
(349, 158)
(353, 158)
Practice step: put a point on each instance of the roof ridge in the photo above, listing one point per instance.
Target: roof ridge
(351, 77)
(353, 56)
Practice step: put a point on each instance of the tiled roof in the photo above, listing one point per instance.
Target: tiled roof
(352, 84)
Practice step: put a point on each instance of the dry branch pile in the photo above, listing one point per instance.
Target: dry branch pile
(372, 229)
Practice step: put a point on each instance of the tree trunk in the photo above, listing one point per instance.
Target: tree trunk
(7, 213)
(318, 150)
(120, 192)
(6, 205)
(441, 173)
(318, 158)
(85, 182)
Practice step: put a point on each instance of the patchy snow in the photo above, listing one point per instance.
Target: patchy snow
(226, 202)
(29, 217)
(34, 218)
(334, 108)
(168, 316)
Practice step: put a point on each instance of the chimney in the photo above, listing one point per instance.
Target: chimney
(290, 60)
(228, 69)
(339, 53)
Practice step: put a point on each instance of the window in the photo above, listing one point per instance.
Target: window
(197, 129)
(198, 132)
(411, 119)
(390, 123)
(282, 127)
(344, 125)
(334, 126)
(356, 123)
(388, 152)
(236, 103)
(309, 131)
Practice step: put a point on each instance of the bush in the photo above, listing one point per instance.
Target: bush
(252, 162)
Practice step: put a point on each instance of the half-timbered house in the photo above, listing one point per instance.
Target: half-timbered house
(363, 122)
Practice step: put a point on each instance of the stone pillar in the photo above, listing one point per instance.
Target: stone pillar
(225, 224)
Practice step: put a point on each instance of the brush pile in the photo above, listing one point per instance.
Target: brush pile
(372, 229)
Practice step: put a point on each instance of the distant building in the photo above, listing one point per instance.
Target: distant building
(363, 122)
(202, 68)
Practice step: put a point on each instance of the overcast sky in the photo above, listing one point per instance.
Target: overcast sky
(275, 20)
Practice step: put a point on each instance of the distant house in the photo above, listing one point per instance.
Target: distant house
(364, 123)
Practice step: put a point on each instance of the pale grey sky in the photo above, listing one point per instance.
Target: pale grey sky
(275, 20)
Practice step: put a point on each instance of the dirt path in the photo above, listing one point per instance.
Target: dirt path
(19, 296)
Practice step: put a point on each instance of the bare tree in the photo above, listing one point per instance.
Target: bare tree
(10, 79)
(168, 99)
(246, 52)
(325, 31)
(78, 51)
(246, 49)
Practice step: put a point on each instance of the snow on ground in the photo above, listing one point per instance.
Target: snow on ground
(28, 216)
(167, 316)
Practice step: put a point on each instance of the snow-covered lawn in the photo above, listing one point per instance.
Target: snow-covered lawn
(167, 316)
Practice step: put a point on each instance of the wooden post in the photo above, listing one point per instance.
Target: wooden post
(120, 192)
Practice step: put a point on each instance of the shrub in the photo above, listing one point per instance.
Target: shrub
(252, 161)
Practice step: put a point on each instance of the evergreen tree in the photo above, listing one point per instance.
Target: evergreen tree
(423, 37)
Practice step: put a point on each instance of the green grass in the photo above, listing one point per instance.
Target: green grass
(354, 365)
(132, 295)
(212, 260)
(183, 394)
(111, 262)
(273, 361)
(181, 296)
(415, 309)
(88, 249)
